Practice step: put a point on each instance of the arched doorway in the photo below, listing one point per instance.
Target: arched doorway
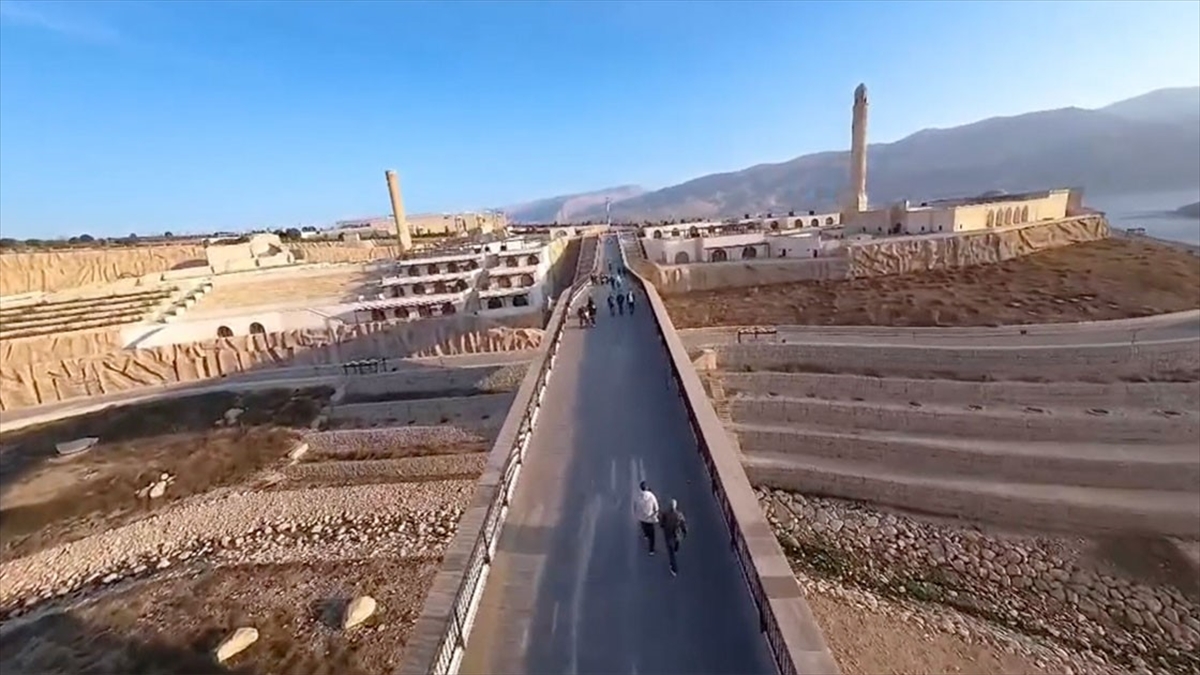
(815, 222)
(378, 315)
(658, 234)
(829, 220)
(533, 260)
(418, 289)
(256, 328)
(402, 313)
(749, 252)
(682, 258)
(520, 301)
(224, 332)
(693, 232)
(991, 218)
(511, 261)
(495, 303)
(424, 311)
(447, 309)
(719, 255)
(504, 282)
(525, 280)
(1024, 214)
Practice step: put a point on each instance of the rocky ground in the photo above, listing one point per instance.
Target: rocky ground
(273, 552)
(1094, 281)
(979, 601)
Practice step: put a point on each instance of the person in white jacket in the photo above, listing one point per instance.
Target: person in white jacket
(647, 513)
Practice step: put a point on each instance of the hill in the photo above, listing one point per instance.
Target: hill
(568, 208)
(1144, 144)
(1189, 210)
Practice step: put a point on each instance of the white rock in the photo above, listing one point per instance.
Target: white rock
(158, 489)
(236, 642)
(232, 415)
(297, 452)
(358, 611)
(76, 446)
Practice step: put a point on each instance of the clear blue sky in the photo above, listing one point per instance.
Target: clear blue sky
(144, 117)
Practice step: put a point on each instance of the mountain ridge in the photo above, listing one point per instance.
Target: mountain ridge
(1149, 142)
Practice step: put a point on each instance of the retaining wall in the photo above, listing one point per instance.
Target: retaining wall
(1009, 424)
(472, 412)
(1075, 395)
(1048, 363)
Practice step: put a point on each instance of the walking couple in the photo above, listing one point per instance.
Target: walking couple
(672, 522)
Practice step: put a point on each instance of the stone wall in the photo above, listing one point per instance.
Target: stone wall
(62, 346)
(911, 254)
(29, 384)
(679, 279)
(52, 271)
(428, 382)
(480, 413)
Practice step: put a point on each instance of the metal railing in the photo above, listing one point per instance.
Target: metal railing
(767, 620)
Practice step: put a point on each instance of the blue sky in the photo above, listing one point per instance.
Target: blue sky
(143, 117)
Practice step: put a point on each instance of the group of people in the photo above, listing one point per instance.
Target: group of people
(670, 520)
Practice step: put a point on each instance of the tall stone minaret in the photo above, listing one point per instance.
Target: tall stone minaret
(856, 201)
(403, 236)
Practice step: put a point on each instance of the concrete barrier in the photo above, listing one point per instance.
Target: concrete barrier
(440, 635)
(792, 634)
(463, 411)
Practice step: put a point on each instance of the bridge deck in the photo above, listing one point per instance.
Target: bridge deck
(573, 589)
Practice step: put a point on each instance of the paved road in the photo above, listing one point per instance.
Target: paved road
(573, 589)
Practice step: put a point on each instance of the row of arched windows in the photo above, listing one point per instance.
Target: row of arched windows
(443, 268)
(256, 328)
(436, 288)
(422, 311)
(1007, 216)
(718, 255)
(694, 232)
(506, 281)
(517, 301)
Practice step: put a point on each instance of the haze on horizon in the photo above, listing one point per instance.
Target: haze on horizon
(119, 117)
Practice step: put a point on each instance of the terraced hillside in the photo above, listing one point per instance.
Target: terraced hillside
(1043, 498)
(188, 519)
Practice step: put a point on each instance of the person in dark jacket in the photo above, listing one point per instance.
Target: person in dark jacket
(674, 527)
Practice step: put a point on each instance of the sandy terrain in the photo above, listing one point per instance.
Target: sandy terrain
(1109, 279)
(336, 285)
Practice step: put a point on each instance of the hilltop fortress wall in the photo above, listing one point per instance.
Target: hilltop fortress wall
(881, 257)
(44, 379)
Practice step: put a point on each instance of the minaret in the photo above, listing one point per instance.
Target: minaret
(403, 237)
(857, 198)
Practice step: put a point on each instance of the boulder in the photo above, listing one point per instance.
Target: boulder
(359, 610)
(235, 643)
(76, 446)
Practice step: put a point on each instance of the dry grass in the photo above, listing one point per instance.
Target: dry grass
(170, 626)
(1109, 279)
(367, 454)
(49, 499)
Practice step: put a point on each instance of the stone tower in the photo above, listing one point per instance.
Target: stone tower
(403, 236)
(856, 201)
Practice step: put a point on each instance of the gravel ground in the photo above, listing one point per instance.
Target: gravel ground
(200, 527)
(1044, 586)
(394, 470)
(505, 378)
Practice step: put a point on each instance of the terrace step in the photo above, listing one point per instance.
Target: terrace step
(971, 421)
(1161, 467)
(1080, 510)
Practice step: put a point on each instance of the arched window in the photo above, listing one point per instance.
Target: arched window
(224, 332)
(675, 232)
(682, 258)
(693, 232)
(520, 301)
(1024, 214)
(525, 280)
(378, 315)
(472, 265)
(418, 289)
(749, 252)
(432, 269)
(439, 287)
(447, 309)
(719, 255)
(511, 261)
(397, 291)
(991, 218)
(658, 234)
(402, 313)
(774, 224)
(495, 303)
(533, 259)
(460, 286)
(815, 222)
(414, 271)
(452, 266)
(504, 282)
(424, 311)
(829, 220)
(1008, 216)
(256, 328)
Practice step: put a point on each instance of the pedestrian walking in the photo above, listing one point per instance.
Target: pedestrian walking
(629, 300)
(647, 513)
(621, 304)
(611, 309)
(674, 527)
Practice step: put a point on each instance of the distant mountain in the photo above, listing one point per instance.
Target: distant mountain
(1150, 143)
(567, 208)
(1189, 210)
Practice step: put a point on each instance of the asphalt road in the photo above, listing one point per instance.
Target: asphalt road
(573, 589)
